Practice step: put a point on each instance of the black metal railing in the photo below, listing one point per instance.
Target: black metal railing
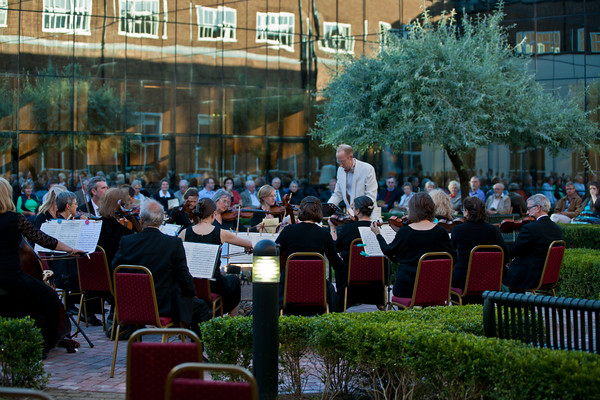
(544, 321)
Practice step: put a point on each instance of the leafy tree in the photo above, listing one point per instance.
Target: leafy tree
(456, 88)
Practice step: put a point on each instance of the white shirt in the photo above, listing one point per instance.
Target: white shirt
(96, 207)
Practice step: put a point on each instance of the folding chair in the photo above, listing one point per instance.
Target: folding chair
(180, 388)
(94, 276)
(552, 266)
(305, 288)
(483, 273)
(149, 363)
(432, 283)
(203, 292)
(366, 278)
(135, 301)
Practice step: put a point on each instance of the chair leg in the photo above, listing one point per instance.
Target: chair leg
(85, 311)
(79, 311)
(345, 298)
(114, 360)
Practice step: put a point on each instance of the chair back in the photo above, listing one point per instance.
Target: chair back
(135, 298)
(305, 281)
(180, 388)
(552, 266)
(203, 289)
(485, 269)
(94, 273)
(149, 363)
(364, 269)
(432, 283)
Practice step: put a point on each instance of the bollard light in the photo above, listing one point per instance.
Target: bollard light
(265, 325)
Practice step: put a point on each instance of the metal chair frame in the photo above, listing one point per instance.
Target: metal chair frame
(83, 300)
(354, 243)
(473, 251)
(287, 263)
(550, 289)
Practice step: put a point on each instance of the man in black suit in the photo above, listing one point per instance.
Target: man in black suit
(164, 256)
(531, 246)
(389, 196)
(96, 188)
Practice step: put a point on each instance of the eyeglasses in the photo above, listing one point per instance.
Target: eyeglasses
(529, 208)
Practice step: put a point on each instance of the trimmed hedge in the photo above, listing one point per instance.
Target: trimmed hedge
(21, 346)
(580, 274)
(581, 236)
(437, 352)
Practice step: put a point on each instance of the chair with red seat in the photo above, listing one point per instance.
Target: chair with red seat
(149, 362)
(180, 388)
(94, 281)
(366, 278)
(483, 273)
(551, 271)
(305, 288)
(203, 292)
(135, 301)
(432, 283)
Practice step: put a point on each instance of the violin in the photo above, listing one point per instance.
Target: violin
(129, 218)
(246, 213)
(450, 224)
(508, 225)
(289, 208)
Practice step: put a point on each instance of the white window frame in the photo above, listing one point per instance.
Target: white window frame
(218, 23)
(144, 14)
(595, 42)
(542, 42)
(3, 13)
(67, 16)
(276, 29)
(339, 43)
(384, 32)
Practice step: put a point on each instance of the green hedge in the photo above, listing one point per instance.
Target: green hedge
(581, 236)
(431, 353)
(580, 274)
(21, 354)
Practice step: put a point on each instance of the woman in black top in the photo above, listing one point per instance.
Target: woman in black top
(112, 230)
(296, 194)
(222, 199)
(474, 232)
(47, 211)
(227, 286)
(420, 236)
(362, 208)
(23, 294)
(309, 236)
(267, 198)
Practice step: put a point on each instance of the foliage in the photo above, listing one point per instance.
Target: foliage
(21, 354)
(580, 274)
(581, 236)
(452, 87)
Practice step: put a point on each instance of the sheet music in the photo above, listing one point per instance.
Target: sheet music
(79, 234)
(172, 203)
(254, 237)
(201, 258)
(370, 241)
(388, 233)
(170, 229)
(376, 214)
(270, 225)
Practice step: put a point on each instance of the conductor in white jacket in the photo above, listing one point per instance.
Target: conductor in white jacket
(354, 178)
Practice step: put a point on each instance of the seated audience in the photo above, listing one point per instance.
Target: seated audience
(475, 188)
(164, 194)
(474, 232)
(208, 191)
(443, 207)
(389, 197)
(164, 256)
(235, 195)
(327, 193)
(517, 202)
(429, 186)
(567, 207)
(420, 236)
(249, 196)
(184, 185)
(531, 246)
(405, 198)
(498, 203)
(590, 213)
(455, 200)
(276, 183)
(296, 195)
(27, 203)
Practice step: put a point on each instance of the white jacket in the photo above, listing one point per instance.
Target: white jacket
(364, 183)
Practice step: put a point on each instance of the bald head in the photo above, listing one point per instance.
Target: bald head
(345, 157)
(152, 213)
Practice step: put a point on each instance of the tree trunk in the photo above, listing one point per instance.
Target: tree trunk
(461, 171)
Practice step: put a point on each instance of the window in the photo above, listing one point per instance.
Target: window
(337, 38)
(384, 33)
(138, 18)
(580, 40)
(67, 16)
(595, 42)
(276, 29)
(538, 42)
(204, 123)
(3, 12)
(216, 23)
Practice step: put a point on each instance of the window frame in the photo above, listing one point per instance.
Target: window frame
(76, 16)
(535, 40)
(263, 32)
(202, 27)
(594, 42)
(131, 23)
(3, 13)
(324, 42)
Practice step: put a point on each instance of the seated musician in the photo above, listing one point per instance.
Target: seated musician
(362, 208)
(420, 236)
(47, 210)
(310, 237)
(474, 232)
(164, 256)
(112, 228)
(266, 196)
(204, 231)
(443, 205)
(184, 214)
(222, 199)
(531, 246)
(22, 294)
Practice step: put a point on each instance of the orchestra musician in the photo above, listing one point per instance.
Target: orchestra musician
(443, 206)
(47, 210)
(184, 214)
(112, 229)
(96, 187)
(20, 293)
(354, 178)
(222, 200)
(266, 196)
(531, 246)
(474, 232)
(308, 236)
(420, 236)
(204, 231)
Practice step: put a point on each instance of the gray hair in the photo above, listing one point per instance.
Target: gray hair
(64, 199)
(453, 183)
(220, 193)
(94, 182)
(184, 181)
(152, 213)
(499, 184)
(249, 181)
(136, 182)
(540, 200)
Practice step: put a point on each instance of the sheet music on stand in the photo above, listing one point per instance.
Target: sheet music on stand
(78, 233)
(202, 259)
(370, 241)
(170, 229)
(254, 237)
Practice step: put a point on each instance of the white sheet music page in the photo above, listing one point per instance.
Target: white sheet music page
(89, 235)
(79, 234)
(370, 241)
(170, 229)
(388, 233)
(201, 258)
(254, 237)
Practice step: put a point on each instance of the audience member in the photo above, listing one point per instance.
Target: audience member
(249, 196)
(455, 200)
(208, 191)
(235, 195)
(276, 184)
(517, 202)
(475, 189)
(296, 195)
(327, 193)
(405, 198)
(184, 185)
(567, 207)
(590, 213)
(389, 197)
(164, 194)
(499, 203)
